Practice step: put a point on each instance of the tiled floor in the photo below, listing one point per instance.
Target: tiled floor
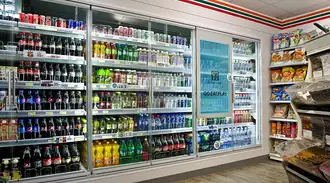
(266, 172)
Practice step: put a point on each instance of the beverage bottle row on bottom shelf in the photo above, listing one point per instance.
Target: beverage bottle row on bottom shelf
(225, 138)
(130, 150)
(39, 161)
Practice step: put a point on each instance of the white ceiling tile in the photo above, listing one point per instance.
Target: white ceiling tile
(271, 1)
(312, 8)
(250, 4)
(295, 5)
(272, 11)
(284, 16)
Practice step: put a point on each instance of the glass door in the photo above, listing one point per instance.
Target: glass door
(214, 92)
(170, 66)
(246, 82)
(121, 91)
(43, 114)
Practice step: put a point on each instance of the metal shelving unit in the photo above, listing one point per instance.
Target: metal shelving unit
(283, 120)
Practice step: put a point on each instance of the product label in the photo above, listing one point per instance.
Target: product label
(46, 162)
(57, 161)
(21, 130)
(75, 159)
(165, 148)
(37, 164)
(36, 129)
(28, 129)
(29, 100)
(43, 129)
(26, 165)
(37, 100)
(66, 160)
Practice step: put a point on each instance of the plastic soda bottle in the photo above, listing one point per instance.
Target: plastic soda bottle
(138, 149)
(100, 75)
(145, 153)
(130, 124)
(130, 149)
(115, 153)
(99, 158)
(123, 151)
(107, 154)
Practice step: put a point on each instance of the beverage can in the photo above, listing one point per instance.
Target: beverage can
(156, 37)
(60, 22)
(125, 31)
(109, 30)
(75, 24)
(104, 29)
(30, 18)
(48, 21)
(42, 20)
(143, 32)
(35, 19)
(26, 18)
(22, 17)
(184, 41)
(70, 24)
(116, 32)
(152, 35)
(134, 33)
(173, 39)
(54, 21)
(80, 25)
(121, 30)
(130, 32)
(160, 38)
(64, 24)
(168, 39)
(139, 33)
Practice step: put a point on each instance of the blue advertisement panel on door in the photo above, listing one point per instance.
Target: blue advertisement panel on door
(215, 86)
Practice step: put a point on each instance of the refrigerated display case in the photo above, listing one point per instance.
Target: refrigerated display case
(92, 90)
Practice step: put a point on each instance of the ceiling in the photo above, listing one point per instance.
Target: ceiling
(282, 9)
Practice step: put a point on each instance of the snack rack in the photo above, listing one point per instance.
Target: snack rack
(287, 57)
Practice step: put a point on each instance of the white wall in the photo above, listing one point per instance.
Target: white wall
(189, 14)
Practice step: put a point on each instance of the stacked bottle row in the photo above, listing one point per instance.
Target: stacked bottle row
(33, 42)
(213, 121)
(243, 66)
(107, 50)
(242, 48)
(141, 122)
(133, 77)
(119, 100)
(225, 138)
(33, 128)
(243, 84)
(162, 100)
(242, 116)
(31, 71)
(106, 153)
(50, 160)
(242, 100)
(50, 100)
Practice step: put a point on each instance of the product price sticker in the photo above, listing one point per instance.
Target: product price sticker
(103, 86)
(101, 61)
(105, 112)
(28, 84)
(76, 139)
(32, 113)
(78, 112)
(62, 112)
(49, 113)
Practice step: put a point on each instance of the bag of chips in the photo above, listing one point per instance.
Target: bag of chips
(280, 111)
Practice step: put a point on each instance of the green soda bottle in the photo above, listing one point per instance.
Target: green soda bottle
(107, 78)
(130, 53)
(100, 75)
(96, 127)
(138, 149)
(130, 149)
(125, 52)
(123, 152)
(119, 51)
(135, 53)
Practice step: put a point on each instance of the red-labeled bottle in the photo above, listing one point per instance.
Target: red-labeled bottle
(57, 158)
(37, 42)
(21, 71)
(30, 41)
(22, 42)
(36, 72)
(47, 158)
(28, 71)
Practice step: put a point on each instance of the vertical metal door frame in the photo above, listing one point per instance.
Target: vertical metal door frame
(194, 90)
(89, 89)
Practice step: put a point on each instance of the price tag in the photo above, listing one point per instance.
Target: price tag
(107, 137)
(63, 112)
(118, 135)
(49, 113)
(115, 37)
(129, 39)
(179, 46)
(102, 61)
(28, 84)
(78, 139)
(167, 44)
(69, 138)
(78, 112)
(129, 134)
(139, 134)
(71, 58)
(105, 112)
(103, 86)
(32, 113)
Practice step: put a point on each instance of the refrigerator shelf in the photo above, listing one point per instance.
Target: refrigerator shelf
(289, 48)
(51, 140)
(215, 127)
(41, 29)
(49, 58)
(324, 113)
(140, 133)
(126, 87)
(140, 42)
(243, 57)
(283, 120)
(113, 63)
(42, 113)
(42, 85)
(280, 101)
(243, 108)
(140, 110)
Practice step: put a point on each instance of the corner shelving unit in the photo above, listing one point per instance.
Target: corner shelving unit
(274, 155)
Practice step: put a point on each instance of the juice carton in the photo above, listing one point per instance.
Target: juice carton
(4, 129)
(12, 129)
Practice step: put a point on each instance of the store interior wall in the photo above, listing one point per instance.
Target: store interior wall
(180, 12)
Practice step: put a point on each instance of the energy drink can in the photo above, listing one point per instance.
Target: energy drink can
(75, 24)
(35, 19)
(139, 33)
(30, 18)
(48, 21)
(42, 20)
(80, 25)
(22, 17)
(60, 22)
(130, 32)
(54, 21)
(168, 40)
(156, 37)
(70, 24)
(173, 39)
